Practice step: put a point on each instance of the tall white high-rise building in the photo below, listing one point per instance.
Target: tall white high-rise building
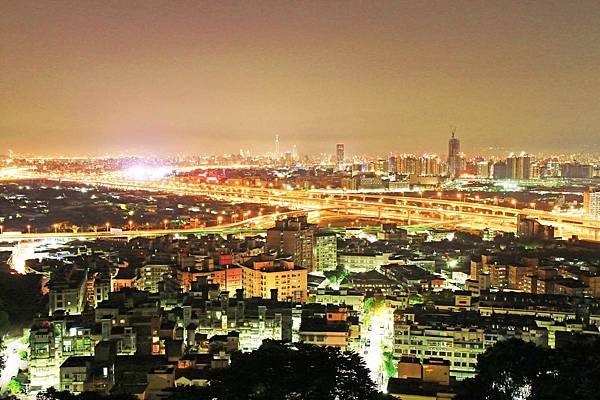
(591, 203)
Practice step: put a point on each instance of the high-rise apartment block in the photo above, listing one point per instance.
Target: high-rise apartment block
(273, 278)
(515, 167)
(591, 203)
(325, 251)
(293, 237)
(518, 166)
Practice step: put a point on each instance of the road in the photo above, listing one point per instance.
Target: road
(377, 340)
(259, 223)
(12, 361)
(460, 212)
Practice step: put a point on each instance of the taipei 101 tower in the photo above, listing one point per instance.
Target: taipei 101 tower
(454, 156)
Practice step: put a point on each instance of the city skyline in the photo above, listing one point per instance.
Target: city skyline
(215, 77)
(278, 149)
(316, 200)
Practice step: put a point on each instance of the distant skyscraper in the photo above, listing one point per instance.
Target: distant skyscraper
(576, 170)
(277, 146)
(339, 153)
(393, 165)
(483, 169)
(454, 156)
(429, 165)
(500, 170)
(518, 166)
(407, 164)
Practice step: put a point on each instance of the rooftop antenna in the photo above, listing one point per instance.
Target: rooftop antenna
(453, 130)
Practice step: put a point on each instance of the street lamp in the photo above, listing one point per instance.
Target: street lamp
(165, 222)
(1, 229)
(130, 223)
(439, 194)
(28, 228)
(107, 226)
(514, 203)
(55, 228)
(532, 205)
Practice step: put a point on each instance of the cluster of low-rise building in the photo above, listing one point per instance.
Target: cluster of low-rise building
(147, 315)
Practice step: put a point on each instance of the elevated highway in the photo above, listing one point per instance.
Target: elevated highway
(406, 209)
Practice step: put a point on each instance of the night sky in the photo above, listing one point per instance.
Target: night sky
(89, 77)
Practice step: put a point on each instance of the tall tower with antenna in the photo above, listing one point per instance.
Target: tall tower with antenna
(276, 146)
(454, 156)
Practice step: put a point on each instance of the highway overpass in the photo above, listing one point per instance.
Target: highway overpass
(405, 209)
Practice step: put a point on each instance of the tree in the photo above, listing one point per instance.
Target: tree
(571, 372)
(14, 386)
(514, 369)
(508, 370)
(279, 371)
(388, 364)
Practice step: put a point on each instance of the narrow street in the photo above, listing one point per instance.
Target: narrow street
(374, 346)
(13, 363)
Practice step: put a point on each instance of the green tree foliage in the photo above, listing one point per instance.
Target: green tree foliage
(14, 386)
(389, 365)
(516, 370)
(372, 306)
(278, 371)
(338, 275)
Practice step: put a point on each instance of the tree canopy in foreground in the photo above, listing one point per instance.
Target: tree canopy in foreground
(516, 370)
(298, 372)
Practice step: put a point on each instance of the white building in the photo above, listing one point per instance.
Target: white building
(591, 203)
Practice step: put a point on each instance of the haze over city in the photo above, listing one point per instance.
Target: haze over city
(162, 77)
(308, 200)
